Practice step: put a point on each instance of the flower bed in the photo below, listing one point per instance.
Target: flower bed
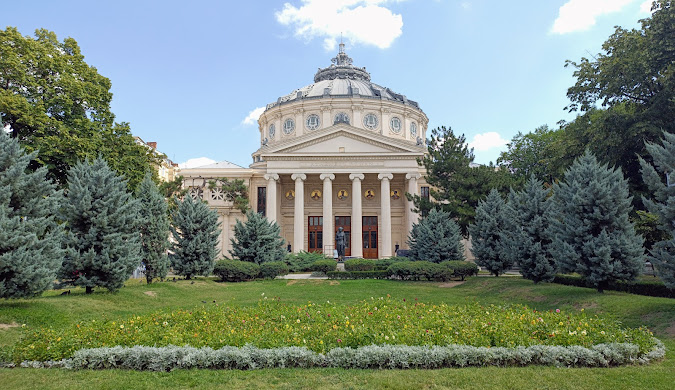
(322, 327)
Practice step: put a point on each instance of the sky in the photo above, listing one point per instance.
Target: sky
(194, 76)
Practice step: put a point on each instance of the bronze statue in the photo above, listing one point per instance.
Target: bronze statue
(340, 243)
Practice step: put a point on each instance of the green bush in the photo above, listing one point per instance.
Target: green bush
(383, 264)
(302, 262)
(462, 269)
(359, 265)
(324, 266)
(272, 269)
(652, 289)
(420, 270)
(358, 275)
(235, 270)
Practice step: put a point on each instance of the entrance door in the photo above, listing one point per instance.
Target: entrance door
(315, 234)
(346, 224)
(370, 237)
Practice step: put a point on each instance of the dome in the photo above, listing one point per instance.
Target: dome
(342, 80)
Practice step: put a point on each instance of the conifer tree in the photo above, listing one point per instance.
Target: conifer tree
(436, 238)
(257, 240)
(525, 240)
(590, 230)
(30, 238)
(154, 229)
(662, 204)
(487, 233)
(195, 231)
(102, 219)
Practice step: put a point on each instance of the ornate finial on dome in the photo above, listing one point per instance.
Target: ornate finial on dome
(342, 58)
(342, 68)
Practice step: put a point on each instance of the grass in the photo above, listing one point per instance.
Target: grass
(138, 299)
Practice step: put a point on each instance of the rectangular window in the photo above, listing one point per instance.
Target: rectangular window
(262, 200)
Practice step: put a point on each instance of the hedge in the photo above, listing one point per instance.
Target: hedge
(368, 357)
(383, 264)
(652, 289)
(272, 269)
(462, 269)
(358, 275)
(359, 265)
(324, 266)
(420, 270)
(302, 262)
(235, 270)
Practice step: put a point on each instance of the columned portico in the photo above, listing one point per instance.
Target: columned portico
(357, 215)
(299, 215)
(385, 212)
(271, 211)
(328, 233)
(411, 216)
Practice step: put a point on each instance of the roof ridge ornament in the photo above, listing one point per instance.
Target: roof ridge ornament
(341, 68)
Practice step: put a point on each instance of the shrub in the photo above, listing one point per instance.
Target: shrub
(359, 265)
(257, 240)
(324, 266)
(462, 269)
(302, 261)
(648, 288)
(419, 270)
(358, 274)
(235, 270)
(272, 269)
(436, 238)
(383, 264)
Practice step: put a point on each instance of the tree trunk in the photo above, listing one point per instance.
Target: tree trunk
(89, 290)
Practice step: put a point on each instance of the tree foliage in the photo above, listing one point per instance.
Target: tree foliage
(153, 227)
(436, 238)
(234, 190)
(487, 234)
(533, 153)
(102, 220)
(257, 240)
(526, 239)
(30, 238)
(591, 232)
(456, 184)
(57, 104)
(661, 181)
(195, 232)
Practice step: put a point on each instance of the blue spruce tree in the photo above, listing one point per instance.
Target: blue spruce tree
(525, 240)
(487, 233)
(257, 240)
(436, 238)
(30, 238)
(590, 230)
(662, 185)
(154, 229)
(195, 231)
(102, 238)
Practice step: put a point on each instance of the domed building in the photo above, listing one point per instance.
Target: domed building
(340, 152)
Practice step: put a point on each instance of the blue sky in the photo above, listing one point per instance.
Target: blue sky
(188, 74)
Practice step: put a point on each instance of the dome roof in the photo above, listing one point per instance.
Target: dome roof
(342, 80)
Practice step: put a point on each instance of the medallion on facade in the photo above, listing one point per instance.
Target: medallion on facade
(312, 122)
(395, 125)
(395, 194)
(413, 130)
(369, 194)
(342, 194)
(289, 126)
(370, 121)
(290, 195)
(315, 195)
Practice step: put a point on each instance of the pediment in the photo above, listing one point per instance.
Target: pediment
(342, 139)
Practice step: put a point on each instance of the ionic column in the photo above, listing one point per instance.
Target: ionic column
(357, 215)
(385, 212)
(271, 210)
(299, 212)
(328, 230)
(411, 216)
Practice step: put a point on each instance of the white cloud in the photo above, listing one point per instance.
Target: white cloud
(253, 116)
(580, 15)
(487, 141)
(196, 162)
(366, 22)
(646, 7)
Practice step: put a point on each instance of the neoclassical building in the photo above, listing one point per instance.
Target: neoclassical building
(340, 152)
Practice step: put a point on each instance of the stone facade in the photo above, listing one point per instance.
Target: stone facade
(340, 152)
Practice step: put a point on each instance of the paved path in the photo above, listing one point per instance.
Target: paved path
(301, 276)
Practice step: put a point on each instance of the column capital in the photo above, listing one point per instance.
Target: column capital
(328, 176)
(271, 176)
(355, 176)
(297, 176)
(383, 176)
(414, 175)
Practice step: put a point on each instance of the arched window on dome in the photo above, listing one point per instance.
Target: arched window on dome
(341, 118)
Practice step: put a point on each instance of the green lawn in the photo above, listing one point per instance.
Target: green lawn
(137, 298)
